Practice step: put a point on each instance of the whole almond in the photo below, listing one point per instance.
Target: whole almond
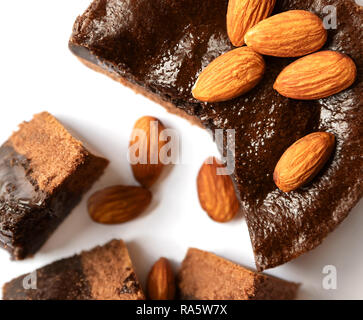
(242, 15)
(118, 204)
(230, 75)
(161, 281)
(316, 76)
(303, 160)
(216, 192)
(292, 33)
(146, 139)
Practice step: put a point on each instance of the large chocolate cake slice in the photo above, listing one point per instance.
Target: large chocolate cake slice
(160, 47)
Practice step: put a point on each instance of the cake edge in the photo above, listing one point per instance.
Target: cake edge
(171, 108)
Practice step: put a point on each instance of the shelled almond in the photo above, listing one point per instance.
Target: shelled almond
(303, 160)
(161, 281)
(146, 137)
(230, 75)
(242, 15)
(292, 33)
(316, 76)
(118, 204)
(216, 192)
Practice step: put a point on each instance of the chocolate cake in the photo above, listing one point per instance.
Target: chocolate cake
(205, 276)
(44, 172)
(104, 273)
(160, 47)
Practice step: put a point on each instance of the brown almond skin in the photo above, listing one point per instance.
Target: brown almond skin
(147, 174)
(316, 76)
(242, 15)
(229, 76)
(118, 204)
(161, 281)
(292, 33)
(302, 161)
(216, 192)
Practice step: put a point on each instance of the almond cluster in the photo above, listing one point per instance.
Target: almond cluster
(316, 75)
(294, 33)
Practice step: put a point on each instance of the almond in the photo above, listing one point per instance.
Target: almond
(118, 204)
(242, 15)
(161, 281)
(316, 76)
(229, 76)
(303, 160)
(289, 34)
(146, 139)
(216, 192)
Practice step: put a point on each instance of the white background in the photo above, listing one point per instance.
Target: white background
(38, 73)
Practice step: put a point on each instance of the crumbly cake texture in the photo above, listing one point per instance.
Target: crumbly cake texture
(128, 41)
(54, 153)
(103, 273)
(44, 173)
(205, 276)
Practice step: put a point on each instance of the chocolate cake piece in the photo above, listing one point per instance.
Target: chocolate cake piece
(44, 172)
(205, 276)
(160, 47)
(104, 273)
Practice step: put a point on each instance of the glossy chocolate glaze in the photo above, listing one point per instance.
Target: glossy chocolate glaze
(20, 197)
(162, 46)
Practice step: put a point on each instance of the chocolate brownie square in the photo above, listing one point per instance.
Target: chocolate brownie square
(205, 276)
(44, 172)
(103, 273)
